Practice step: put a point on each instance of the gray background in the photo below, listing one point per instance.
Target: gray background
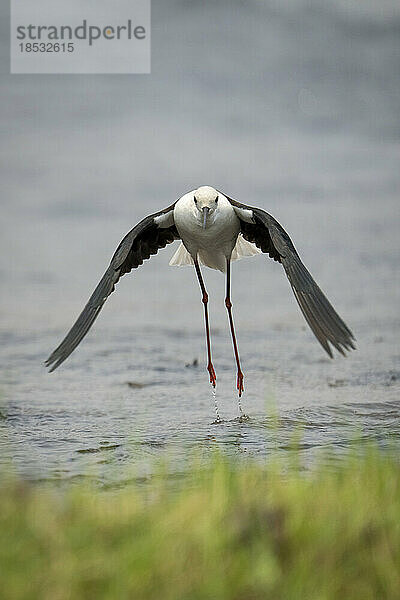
(290, 106)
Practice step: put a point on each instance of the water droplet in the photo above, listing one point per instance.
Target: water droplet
(214, 393)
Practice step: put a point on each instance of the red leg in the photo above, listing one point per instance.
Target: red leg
(228, 305)
(210, 367)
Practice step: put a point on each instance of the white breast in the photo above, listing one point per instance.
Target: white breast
(213, 244)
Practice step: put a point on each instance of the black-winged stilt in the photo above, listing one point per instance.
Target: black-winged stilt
(214, 230)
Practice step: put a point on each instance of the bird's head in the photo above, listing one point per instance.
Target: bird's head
(205, 199)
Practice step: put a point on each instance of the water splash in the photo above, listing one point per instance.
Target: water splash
(242, 418)
(240, 407)
(218, 418)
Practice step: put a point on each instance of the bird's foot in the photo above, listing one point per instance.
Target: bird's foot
(213, 376)
(239, 385)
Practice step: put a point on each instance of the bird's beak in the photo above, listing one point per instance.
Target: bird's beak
(205, 213)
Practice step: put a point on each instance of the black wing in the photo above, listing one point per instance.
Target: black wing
(151, 234)
(259, 227)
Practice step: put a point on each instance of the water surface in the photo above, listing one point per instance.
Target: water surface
(290, 106)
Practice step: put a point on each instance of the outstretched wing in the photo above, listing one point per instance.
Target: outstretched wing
(259, 227)
(151, 234)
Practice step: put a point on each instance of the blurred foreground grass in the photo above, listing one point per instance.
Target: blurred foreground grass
(242, 532)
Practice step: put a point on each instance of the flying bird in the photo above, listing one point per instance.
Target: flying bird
(214, 230)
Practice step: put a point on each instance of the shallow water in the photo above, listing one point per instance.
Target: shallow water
(291, 108)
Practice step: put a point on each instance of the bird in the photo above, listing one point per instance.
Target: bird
(213, 230)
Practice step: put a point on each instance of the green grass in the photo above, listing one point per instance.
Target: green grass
(243, 532)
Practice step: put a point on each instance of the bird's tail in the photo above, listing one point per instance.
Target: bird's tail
(181, 257)
(244, 248)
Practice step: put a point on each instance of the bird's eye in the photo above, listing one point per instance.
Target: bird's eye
(195, 200)
(216, 200)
